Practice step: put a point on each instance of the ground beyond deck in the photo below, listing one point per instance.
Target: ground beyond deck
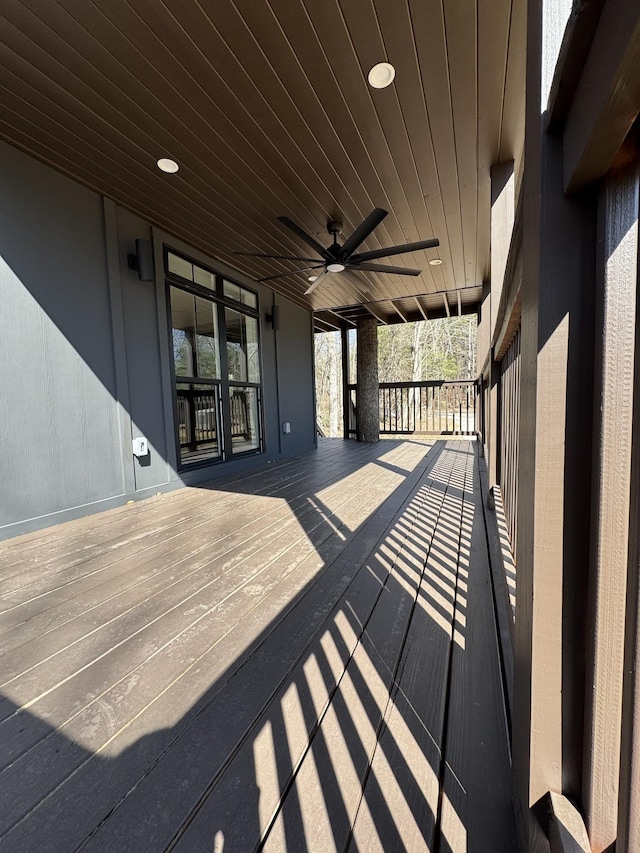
(300, 659)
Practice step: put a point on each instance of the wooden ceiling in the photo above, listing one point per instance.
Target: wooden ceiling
(266, 107)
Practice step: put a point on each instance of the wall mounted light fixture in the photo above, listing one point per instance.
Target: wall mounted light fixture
(274, 318)
(142, 260)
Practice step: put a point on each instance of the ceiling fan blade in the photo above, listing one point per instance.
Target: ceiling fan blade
(277, 257)
(307, 238)
(362, 232)
(315, 283)
(355, 282)
(292, 272)
(395, 250)
(383, 268)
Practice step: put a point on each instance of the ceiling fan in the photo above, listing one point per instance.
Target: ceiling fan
(338, 258)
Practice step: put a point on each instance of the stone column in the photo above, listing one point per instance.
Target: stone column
(367, 377)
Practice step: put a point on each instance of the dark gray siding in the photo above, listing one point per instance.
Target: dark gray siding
(295, 378)
(142, 344)
(58, 418)
(84, 364)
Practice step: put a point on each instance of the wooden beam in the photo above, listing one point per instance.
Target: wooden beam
(607, 100)
(374, 313)
(343, 318)
(446, 303)
(483, 339)
(329, 326)
(502, 222)
(567, 831)
(400, 312)
(576, 43)
(420, 308)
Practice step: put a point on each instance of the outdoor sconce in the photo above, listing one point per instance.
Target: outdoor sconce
(142, 261)
(274, 317)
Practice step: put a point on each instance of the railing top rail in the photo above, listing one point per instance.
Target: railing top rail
(428, 383)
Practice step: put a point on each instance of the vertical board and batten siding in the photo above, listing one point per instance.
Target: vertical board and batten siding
(58, 412)
(295, 385)
(510, 420)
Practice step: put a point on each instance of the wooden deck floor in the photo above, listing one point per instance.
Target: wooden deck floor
(300, 659)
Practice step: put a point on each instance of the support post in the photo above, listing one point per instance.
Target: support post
(611, 488)
(493, 439)
(368, 416)
(629, 793)
(502, 219)
(556, 399)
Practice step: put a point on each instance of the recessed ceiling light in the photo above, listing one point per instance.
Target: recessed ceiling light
(435, 262)
(381, 75)
(335, 267)
(312, 278)
(166, 165)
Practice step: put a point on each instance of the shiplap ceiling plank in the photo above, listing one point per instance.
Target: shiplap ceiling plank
(461, 29)
(267, 109)
(493, 48)
(432, 45)
(512, 133)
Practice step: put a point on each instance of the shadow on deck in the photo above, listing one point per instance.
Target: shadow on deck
(303, 659)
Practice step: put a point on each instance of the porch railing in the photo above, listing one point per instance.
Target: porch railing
(435, 407)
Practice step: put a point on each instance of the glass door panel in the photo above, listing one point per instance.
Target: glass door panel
(245, 424)
(198, 409)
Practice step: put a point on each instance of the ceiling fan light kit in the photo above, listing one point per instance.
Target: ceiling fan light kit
(340, 258)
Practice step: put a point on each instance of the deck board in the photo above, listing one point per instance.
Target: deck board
(275, 673)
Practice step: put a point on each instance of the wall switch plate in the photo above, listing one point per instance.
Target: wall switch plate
(140, 447)
(286, 427)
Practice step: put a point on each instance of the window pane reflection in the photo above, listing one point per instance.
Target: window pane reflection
(204, 277)
(207, 339)
(194, 324)
(243, 355)
(179, 266)
(234, 291)
(198, 421)
(245, 434)
(183, 323)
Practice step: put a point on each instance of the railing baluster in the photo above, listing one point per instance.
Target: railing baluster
(410, 407)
